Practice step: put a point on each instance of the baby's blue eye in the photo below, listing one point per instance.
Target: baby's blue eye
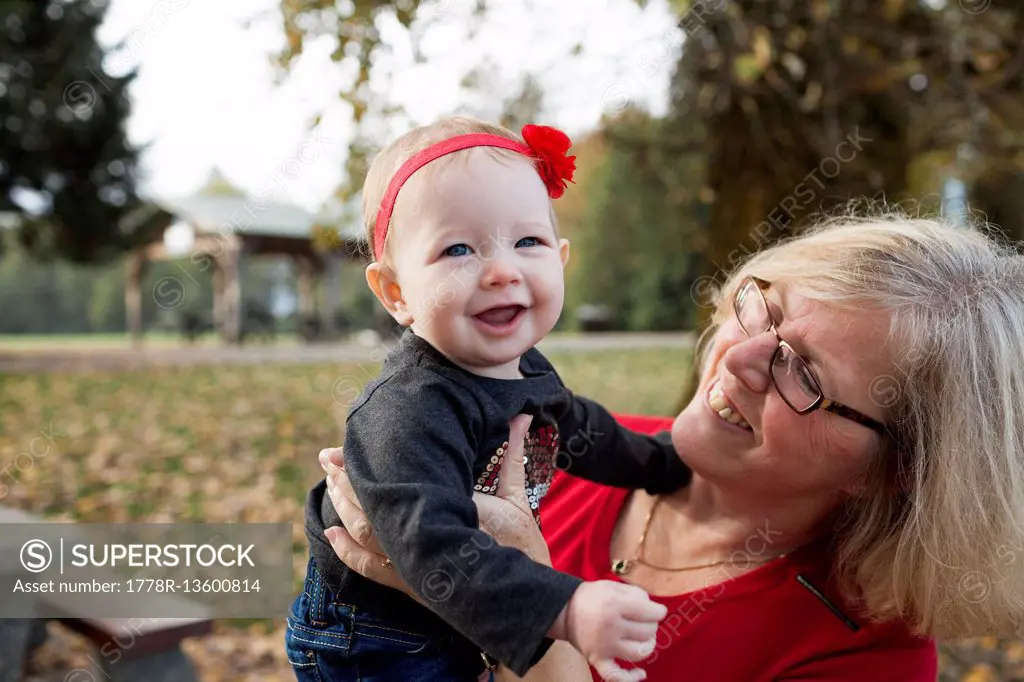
(458, 250)
(527, 241)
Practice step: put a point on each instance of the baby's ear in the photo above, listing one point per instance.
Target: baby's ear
(385, 287)
(563, 250)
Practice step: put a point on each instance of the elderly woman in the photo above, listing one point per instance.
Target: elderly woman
(857, 448)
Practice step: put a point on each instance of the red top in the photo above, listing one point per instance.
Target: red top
(764, 625)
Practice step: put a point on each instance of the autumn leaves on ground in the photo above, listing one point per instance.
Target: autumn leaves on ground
(239, 444)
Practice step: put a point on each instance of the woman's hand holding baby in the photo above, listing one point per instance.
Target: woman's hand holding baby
(355, 543)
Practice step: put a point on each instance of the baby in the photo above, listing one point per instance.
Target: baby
(468, 258)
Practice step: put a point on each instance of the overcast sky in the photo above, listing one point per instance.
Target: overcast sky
(205, 95)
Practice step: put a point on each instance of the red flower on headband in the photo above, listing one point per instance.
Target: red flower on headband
(550, 145)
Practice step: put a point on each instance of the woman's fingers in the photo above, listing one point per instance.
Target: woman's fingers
(337, 477)
(331, 456)
(364, 562)
(353, 518)
(512, 482)
(506, 516)
(336, 457)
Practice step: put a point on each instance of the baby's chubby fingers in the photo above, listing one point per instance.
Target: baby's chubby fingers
(637, 631)
(638, 605)
(610, 671)
(645, 649)
(631, 650)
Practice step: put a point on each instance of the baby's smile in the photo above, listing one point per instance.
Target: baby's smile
(500, 319)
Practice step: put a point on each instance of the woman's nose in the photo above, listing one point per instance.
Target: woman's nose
(749, 360)
(498, 272)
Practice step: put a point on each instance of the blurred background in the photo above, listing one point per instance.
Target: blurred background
(182, 302)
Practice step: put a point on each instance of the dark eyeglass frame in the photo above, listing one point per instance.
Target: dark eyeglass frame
(821, 403)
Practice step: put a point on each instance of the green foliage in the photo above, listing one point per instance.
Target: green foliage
(634, 242)
(999, 195)
(55, 296)
(775, 118)
(66, 170)
(105, 310)
(832, 102)
(361, 307)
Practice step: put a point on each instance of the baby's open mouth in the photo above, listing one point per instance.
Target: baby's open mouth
(500, 315)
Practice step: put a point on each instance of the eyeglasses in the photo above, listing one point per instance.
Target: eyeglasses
(791, 375)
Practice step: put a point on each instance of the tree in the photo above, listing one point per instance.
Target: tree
(352, 25)
(810, 104)
(800, 105)
(66, 170)
(998, 194)
(632, 245)
(807, 105)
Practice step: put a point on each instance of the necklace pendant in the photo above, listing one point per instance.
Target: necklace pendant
(620, 566)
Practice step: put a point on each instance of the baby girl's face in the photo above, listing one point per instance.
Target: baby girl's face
(480, 268)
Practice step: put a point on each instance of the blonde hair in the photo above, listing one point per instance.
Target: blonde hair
(937, 537)
(391, 158)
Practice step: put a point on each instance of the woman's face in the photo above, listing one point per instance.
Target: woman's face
(785, 455)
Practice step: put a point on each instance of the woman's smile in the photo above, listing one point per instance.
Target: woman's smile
(719, 404)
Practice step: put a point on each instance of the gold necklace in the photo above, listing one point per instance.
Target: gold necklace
(621, 567)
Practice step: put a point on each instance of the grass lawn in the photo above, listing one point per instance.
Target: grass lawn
(215, 443)
(239, 443)
(233, 443)
(28, 343)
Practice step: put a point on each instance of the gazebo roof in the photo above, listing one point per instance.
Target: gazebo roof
(221, 207)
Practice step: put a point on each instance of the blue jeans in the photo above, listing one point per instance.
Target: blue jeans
(331, 641)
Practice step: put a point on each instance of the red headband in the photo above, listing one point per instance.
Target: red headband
(547, 145)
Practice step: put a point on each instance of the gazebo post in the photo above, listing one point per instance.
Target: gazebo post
(305, 282)
(308, 272)
(329, 288)
(218, 297)
(230, 260)
(135, 268)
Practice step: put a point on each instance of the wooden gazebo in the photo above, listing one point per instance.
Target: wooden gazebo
(223, 226)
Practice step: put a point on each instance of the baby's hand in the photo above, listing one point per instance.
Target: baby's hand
(606, 620)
